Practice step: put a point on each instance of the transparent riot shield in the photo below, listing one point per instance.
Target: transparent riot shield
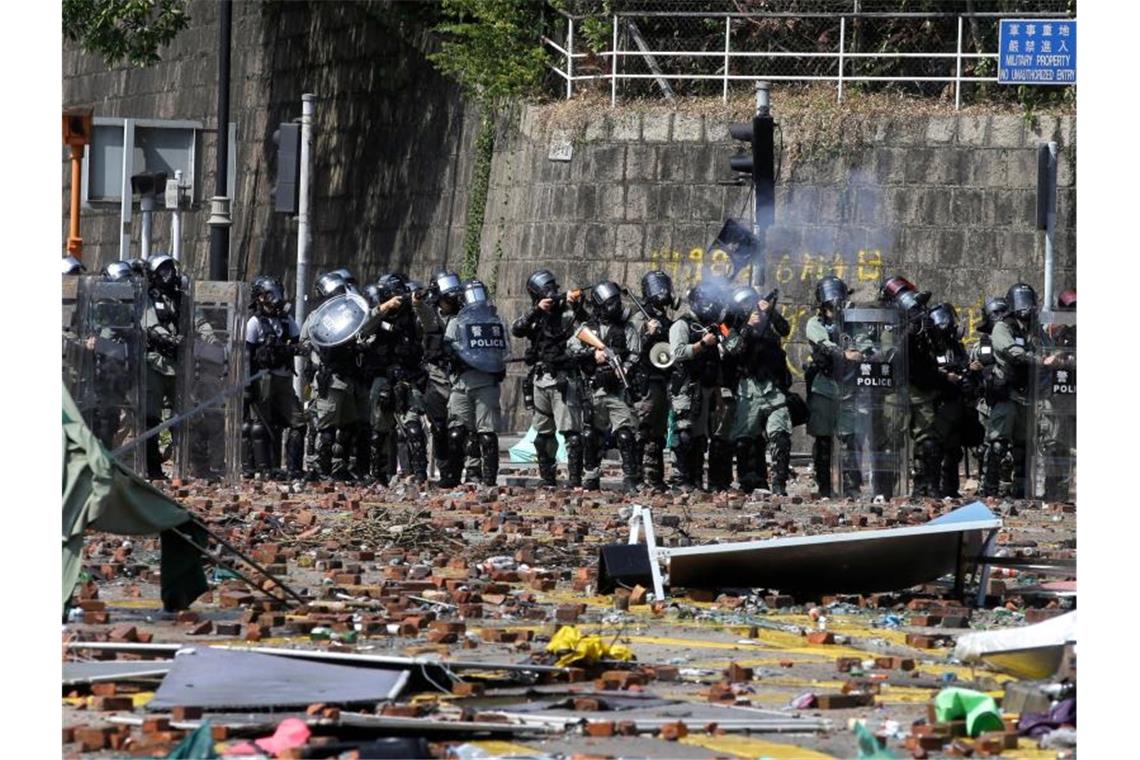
(211, 360)
(871, 443)
(111, 368)
(72, 353)
(482, 340)
(1051, 449)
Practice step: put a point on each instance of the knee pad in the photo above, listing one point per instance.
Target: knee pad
(487, 440)
(625, 438)
(457, 438)
(653, 447)
(247, 429)
(326, 438)
(573, 441)
(258, 432)
(684, 439)
(414, 431)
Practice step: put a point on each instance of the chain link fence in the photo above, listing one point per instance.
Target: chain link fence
(655, 48)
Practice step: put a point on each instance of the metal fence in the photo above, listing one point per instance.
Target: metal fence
(664, 49)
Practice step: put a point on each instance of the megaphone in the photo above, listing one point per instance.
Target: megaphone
(661, 355)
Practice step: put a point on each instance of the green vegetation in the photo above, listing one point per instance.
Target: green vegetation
(130, 31)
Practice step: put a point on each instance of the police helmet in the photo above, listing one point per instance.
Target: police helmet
(118, 271)
(72, 265)
(831, 291)
(995, 310)
(163, 271)
(743, 301)
(657, 290)
(606, 300)
(270, 297)
(943, 319)
(706, 303)
(328, 285)
(346, 275)
(475, 292)
(259, 284)
(391, 286)
(372, 294)
(542, 284)
(447, 283)
(1022, 300)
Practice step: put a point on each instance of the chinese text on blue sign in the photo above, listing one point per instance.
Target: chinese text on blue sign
(1037, 51)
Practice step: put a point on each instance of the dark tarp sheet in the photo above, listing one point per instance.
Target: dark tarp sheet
(225, 679)
(101, 494)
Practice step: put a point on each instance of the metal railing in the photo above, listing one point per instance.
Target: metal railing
(616, 65)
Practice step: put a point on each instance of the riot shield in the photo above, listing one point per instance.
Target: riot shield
(211, 360)
(1051, 449)
(72, 355)
(482, 341)
(110, 372)
(871, 442)
(338, 320)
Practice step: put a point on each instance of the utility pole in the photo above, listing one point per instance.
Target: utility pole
(1047, 211)
(76, 135)
(220, 220)
(304, 232)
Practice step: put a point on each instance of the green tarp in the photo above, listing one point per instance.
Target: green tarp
(101, 494)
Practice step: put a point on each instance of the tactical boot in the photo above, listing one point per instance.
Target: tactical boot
(653, 465)
(850, 473)
(341, 453)
(325, 443)
(1017, 474)
(154, 459)
(638, 459)
(378, 457)
(697, 463)
(247, 467)
(950, 474)
(720, 464)
(991, 468)
(295, 453)
(682, 458)
(760, 462)
(591, 459)
(574, 461)
(627, 447)
(417, 450)
(545, 447)
(779, 455)
(489, 448)
(451, 469)
(746, 464)
(473, 462)
(262, 448)
(821, 462)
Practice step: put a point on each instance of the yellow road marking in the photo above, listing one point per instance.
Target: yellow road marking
(744, 746)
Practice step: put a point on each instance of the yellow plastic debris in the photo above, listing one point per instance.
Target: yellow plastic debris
(574, 647)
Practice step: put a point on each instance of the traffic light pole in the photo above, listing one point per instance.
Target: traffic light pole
(304, 233)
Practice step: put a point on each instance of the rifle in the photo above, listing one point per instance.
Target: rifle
(590, 338)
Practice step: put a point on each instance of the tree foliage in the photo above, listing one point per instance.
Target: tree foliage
(130, 31)
(492, 47)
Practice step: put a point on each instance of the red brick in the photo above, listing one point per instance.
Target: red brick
(821, 637)
(671, 732)
(600, 728)
(112, 704)
(846, 664)
(92, 739)
(402, 711)
(586, 704)
(467, 689)
(737, 673)
(201, 629)
(182, 713)
(155, 723)
(124, 633)
(702, 595)
(843, 701)
(638, 595)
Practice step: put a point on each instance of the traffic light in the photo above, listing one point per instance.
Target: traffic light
(758, 163)
(287, 182)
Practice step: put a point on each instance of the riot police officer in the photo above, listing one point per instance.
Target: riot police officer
(112, 365)
(608, 377)
(475, 344)
(340, 398)
(831, 294)
(396, 352)
(162, 323)
(1014, 352)
(991, 385)
(696, 341)
(555, 357)
(272, 338)
(763, 423)
(739, 302)
(435, 309)
(652, 405)
(1054, 410)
